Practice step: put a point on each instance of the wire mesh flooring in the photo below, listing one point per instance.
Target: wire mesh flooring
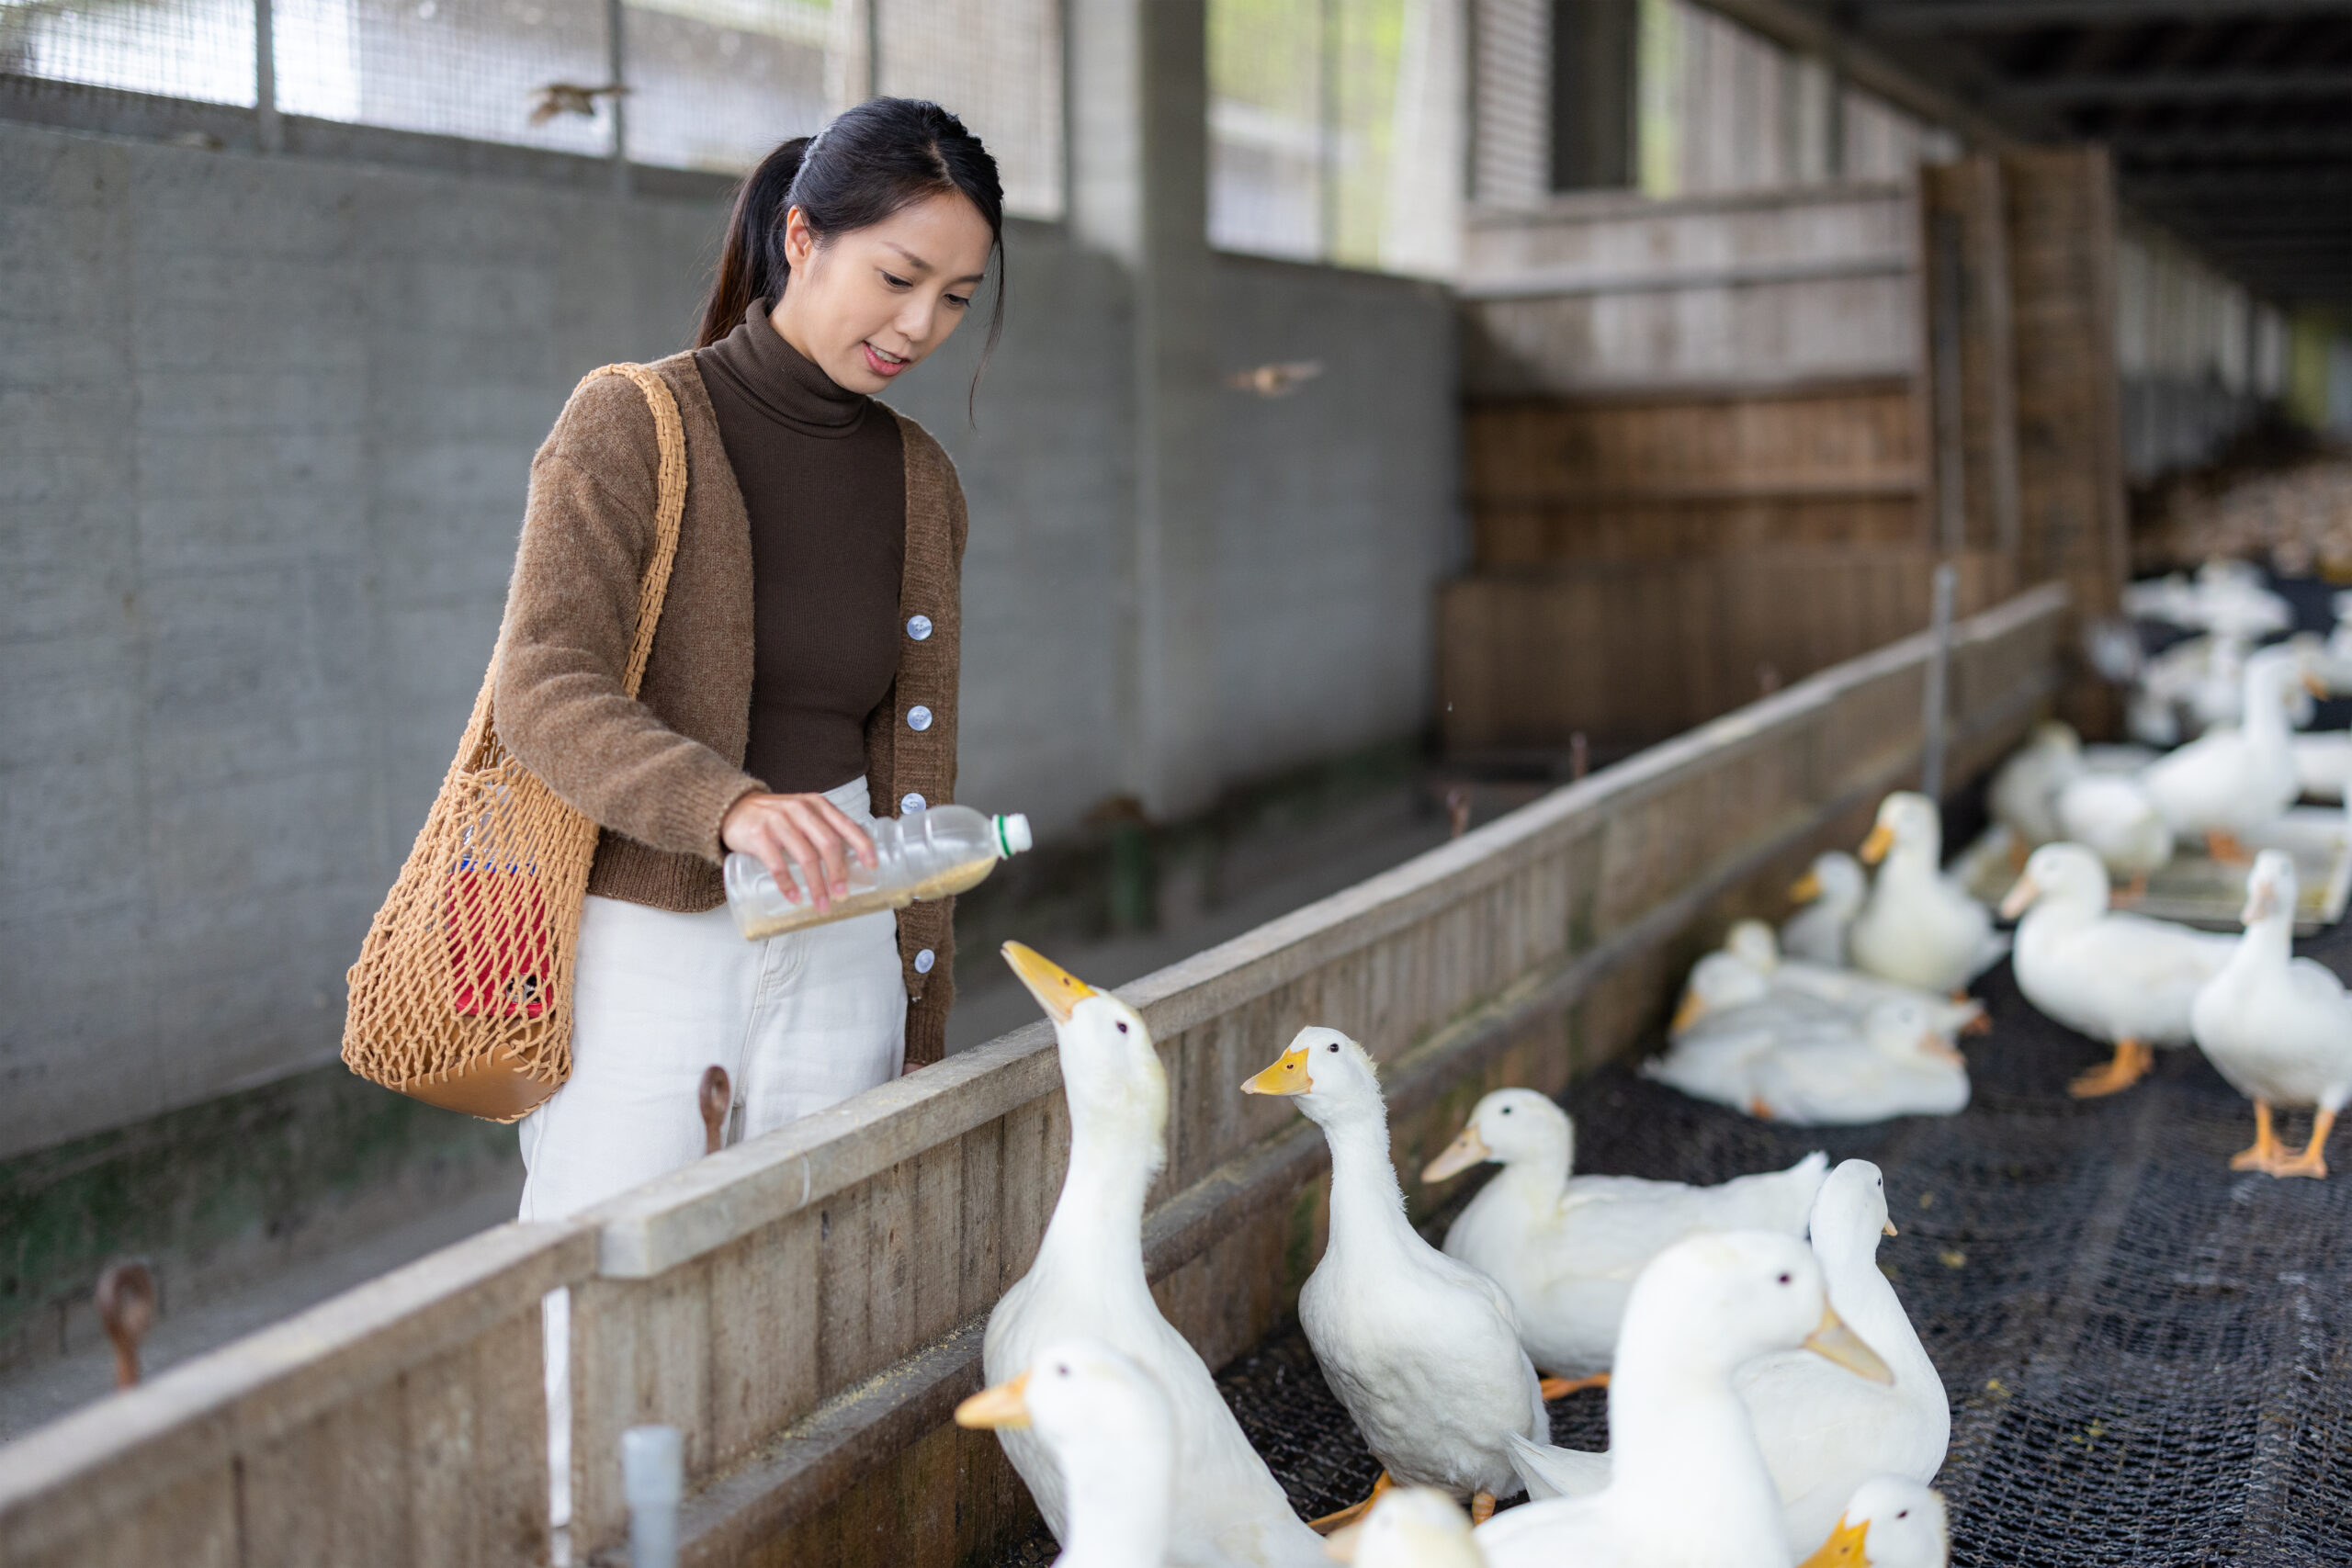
(2145, 1350)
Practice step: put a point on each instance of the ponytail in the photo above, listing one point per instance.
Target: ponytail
(761, 202)
(870, 161)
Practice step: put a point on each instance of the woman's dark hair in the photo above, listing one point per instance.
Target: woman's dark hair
(870, 161)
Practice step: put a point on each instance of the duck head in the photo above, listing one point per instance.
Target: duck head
(1410, 1527)
(1110, 1070)
(1721, 1298)
(1717, 981)
(1909, 826)
(1109, 1425)
(1835, 879)
(1326, 1072)
(1511, 1126)
(1754, 945)
(1904, 1028)
(2270, 888)
(1849, 1212)
(2064, 874)
(2055, 737)
(1889, 1522)
(2275, 677)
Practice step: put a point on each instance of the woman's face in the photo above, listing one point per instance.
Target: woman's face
(867, 306)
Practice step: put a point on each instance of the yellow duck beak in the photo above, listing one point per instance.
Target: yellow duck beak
(1056, 989)
(1006, 1404)
(1888, 1229)
(2315, 686)
(1465, 1151)
(1287, 1076)
(1833, 1341)
(1874, 848)
(2020, 898)
(1846, 1548)
(1804, 889)
(1692, 1008)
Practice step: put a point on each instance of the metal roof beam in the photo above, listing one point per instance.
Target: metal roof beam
(2024, 16)
(2255, 142)
(2182, 87)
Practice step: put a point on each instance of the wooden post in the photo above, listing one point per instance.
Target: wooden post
(2060, 206)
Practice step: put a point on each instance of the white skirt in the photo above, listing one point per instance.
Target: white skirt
(800, 1021)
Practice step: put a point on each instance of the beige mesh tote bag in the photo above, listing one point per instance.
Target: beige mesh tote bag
(462, 994)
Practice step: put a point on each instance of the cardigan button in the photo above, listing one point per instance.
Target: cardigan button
(919, 627)
(925, 960)
(917, 718)
(911, 802)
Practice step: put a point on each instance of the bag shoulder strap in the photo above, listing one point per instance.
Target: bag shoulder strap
(668, 509)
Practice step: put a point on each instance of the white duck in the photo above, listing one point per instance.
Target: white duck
(2123, 979)
(1835, 1073)
(2232, 780)
(1565, 1249)
(1088, 1282)
(1687, 1485)
(1723, 982)
(2279, 1028)
(1112, 1438)
(2024, 795)
(1832, 892)
(1919, 926)
(1823, 1432)
(1422, 1350)
(1889, 1522)
(1410, 1527)
(2113, 815)
(1752, 943)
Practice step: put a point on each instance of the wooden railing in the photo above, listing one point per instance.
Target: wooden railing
(807, 1307)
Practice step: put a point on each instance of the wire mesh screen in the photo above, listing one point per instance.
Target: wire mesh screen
(705, 83)
(1335, 131)
(517, 71)
(998, 64)
(2147, 1354)
(716, 83)
(181, 48)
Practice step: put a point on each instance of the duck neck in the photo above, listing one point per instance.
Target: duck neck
(1538, 1183)
(2268, 944)
(2265, 722)
(1367, 1205)
(1671, 1412)
(1869, 1305)
(1117, 1516)
(1097, 1222)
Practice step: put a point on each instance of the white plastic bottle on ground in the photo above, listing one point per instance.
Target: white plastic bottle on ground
(924, 855)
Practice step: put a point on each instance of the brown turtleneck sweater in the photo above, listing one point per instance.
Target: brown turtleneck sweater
(824, 481)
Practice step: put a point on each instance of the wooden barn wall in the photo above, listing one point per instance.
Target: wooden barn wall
(807, 1307)
(1687, 472)
(1628, 652)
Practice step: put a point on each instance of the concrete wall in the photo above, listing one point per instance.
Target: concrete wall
(265, 427)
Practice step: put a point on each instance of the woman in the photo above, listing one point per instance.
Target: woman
(803, 672)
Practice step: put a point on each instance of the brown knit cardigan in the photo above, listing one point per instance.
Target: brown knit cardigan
(660, 772)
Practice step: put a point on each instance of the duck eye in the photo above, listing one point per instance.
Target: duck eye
(1061, 1369)
(1904, 1514)
(1123, 1029)
(1333, 1046)
(1784, 1279)
(1505, 1110)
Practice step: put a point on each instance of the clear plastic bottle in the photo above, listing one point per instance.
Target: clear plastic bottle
(924, 855)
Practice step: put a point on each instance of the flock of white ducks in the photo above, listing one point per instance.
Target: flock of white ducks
(1770, 1405)
(1115, 1424)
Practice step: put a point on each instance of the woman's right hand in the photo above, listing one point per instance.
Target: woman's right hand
(806, 830)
